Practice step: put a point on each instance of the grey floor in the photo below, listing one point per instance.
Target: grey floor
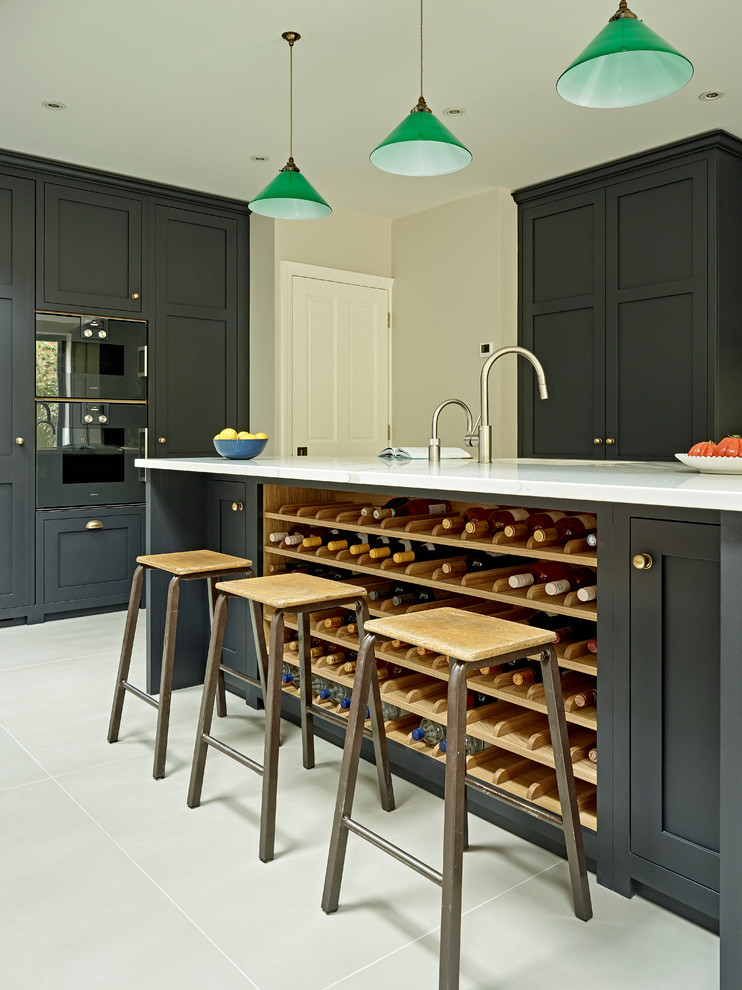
(108, 880)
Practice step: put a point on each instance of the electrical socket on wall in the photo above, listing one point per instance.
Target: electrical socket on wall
(485, 349)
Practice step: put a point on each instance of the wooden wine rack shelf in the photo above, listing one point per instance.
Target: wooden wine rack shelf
(517, 756)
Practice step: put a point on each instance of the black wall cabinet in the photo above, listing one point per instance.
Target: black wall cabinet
(629, 298)
(91, 251)
(16, 394)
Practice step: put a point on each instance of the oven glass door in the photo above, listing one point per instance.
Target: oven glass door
(90, 357)
(85, 453)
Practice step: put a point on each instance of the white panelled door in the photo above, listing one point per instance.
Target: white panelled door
(340, 367)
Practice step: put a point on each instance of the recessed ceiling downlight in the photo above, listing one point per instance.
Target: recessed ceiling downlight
(54, 105)
(259, 158)
(454, 111)
(711, 94)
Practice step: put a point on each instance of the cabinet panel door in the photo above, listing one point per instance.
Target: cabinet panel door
(196, 367)
(16, 391)
(562, 322)
(92, 251)
(656, 313)
(675, 749)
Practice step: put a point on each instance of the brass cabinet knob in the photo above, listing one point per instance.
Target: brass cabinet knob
(237, 506)
(162, 439)
(642, 561)
(610, 441)
(597, 440)
(135, 295)
(94, 524)
(20, 441)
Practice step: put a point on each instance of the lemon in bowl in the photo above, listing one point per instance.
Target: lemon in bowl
(239, 446)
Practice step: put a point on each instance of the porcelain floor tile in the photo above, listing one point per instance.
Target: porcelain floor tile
(80, 915)
(61, 639)
(16, 766)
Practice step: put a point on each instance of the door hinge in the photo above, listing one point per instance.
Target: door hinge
(388, 320)
(388, 433)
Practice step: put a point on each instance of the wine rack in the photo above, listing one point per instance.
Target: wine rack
(517, 754)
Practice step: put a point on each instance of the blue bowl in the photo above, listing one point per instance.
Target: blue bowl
(241, 450)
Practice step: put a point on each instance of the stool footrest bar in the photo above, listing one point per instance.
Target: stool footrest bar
(140, 694)
(535, 810)
(388, 847)
(235, 754)
(240, 676)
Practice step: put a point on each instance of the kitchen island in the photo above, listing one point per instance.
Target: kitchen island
(668, 806)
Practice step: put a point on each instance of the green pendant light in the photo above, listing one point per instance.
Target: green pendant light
(421, 144)
(627, 64)
(290, 196)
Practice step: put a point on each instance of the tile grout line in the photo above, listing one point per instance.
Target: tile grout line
(135, 864)
(81, 656)
(432, 931)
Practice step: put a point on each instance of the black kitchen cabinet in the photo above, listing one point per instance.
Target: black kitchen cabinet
(16, 395)
(629, 296)
(91, 250)
(199, 367)
(232, 509)
(86, 557)
(666, 675)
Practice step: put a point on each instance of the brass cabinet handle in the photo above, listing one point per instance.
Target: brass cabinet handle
(135, 295)
(94, 524)
(20, 441)
(597, 440)
(162, 439)
(610, 441)
(642, 561)
(237, 506)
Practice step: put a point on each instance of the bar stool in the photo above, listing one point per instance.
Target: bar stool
(188, 565)
(297, 594)
(468, 640)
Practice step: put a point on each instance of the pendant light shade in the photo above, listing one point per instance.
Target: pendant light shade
(627, 64)
(421, 144)
(290, 196)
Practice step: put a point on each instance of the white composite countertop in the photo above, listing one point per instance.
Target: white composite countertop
(638, 482)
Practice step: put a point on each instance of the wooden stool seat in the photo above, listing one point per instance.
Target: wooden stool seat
(463, 635)
(287, 590)
(294, 594)
(469, 640)
(194, 563)
(186, 565)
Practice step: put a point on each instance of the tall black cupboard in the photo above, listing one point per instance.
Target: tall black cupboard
(629, 294)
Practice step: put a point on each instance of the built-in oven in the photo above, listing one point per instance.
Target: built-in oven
(85, 452)
(90, 357)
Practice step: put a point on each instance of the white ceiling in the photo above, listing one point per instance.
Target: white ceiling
(185, 91)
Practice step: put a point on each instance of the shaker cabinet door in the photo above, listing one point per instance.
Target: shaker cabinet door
(91, 254)
(562, 322)
(16, 396)
(675, 704)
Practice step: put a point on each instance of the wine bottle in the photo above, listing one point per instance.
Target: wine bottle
(592, 754)
(578, 578)
(592, 539)
(431, 732)
(390, 712)
(535, 521)
(477, 561)
(592, 645)
(554, 623)
(333, 658)
(402, 506)
(422, 552)
(416, 597)
(319, 684)
(539, 572)
(336, 621)
(496, 520)
(477, 513)
(387, 546)
(300, 533)
(313, 644)
(471, 745)
(289, 674)
(324, 538)
(385, 591)
(586, 698)
(366, 543)
(530, 672)
(588, 594)
(568, 528)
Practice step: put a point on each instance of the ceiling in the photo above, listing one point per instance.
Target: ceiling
(184, 92)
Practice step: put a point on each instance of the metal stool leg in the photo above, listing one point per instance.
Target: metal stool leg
(305, 692)
(365, 671)
(272, 729)
(166, 679)
(130, 628)
(378, 733)
(221, 694)
(454, 826)
(566, 786)
(207, 701)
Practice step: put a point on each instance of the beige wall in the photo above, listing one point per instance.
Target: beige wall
(455, 286)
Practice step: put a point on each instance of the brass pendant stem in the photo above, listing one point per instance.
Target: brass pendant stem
(421, 51)
(291, 37)
(623, 11)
